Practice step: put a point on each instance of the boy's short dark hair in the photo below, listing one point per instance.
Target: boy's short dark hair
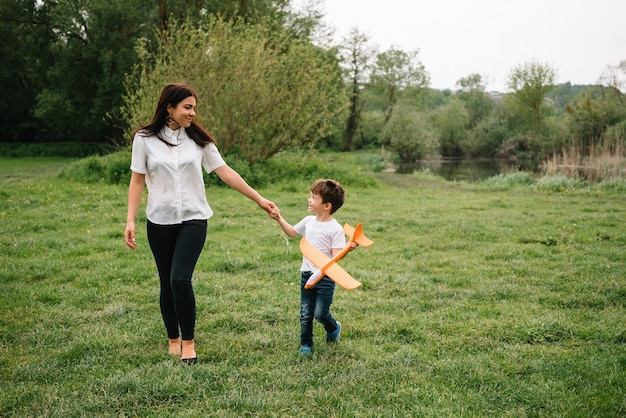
(331, 192)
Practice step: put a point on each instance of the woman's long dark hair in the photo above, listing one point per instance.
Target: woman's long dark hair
(172, 95)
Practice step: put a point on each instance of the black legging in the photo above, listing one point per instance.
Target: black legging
(176, 249)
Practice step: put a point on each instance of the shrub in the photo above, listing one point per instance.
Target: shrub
(284, 168)
(111, 169)
(613, 186)
(54, 149)
(260, 91)
(560, 183)
(410, 135)
(506, 181)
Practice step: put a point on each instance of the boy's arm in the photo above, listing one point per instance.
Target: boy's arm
(352, 245)
(286, 226)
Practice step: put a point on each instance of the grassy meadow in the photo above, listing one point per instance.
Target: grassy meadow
(498, 299)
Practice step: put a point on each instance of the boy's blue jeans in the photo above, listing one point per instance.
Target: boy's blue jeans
(315, 303)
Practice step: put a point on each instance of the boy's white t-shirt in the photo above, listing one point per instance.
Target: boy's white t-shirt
(322, 235)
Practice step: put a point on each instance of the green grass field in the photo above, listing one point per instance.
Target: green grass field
(478, 300)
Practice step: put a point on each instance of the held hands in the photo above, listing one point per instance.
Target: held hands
(269, 207)
(275, 215)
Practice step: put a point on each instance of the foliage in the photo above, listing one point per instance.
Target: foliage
(300, 167)
(259, 92)
(531, 82)
(109, 169)
(55, 149)
(508, 181)
(396, 72)
(65, 65)
(65, 62)
(356, 58)
(591, 113)
(489, 134)
(452, 121)
(115, 169)
(472, 94)
(561, 183)
(371, 130)
(615, 77)
(562, 94)
(475, 302)
(410, 135)
(26, 29)
(91, 51)
(614, 139)
(522, 145)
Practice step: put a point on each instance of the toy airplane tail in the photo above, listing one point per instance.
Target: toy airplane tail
(357, 235)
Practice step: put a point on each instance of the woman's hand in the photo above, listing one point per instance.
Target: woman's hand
(269, 207)
(129, 235)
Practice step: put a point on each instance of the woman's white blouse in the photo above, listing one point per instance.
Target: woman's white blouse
(176, 191)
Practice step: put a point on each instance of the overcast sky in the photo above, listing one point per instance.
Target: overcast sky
(578, 38)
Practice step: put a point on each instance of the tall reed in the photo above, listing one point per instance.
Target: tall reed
(606, 160)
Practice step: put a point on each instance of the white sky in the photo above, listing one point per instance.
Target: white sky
(578, 38)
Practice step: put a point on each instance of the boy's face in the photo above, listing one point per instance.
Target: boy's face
(316, 205)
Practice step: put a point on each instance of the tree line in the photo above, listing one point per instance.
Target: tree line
(269, 79)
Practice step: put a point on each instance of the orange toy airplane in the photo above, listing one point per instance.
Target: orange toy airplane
(328, 266)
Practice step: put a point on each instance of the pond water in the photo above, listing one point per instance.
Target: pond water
(469, 170)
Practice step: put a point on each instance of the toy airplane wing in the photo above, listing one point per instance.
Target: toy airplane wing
(334, 270)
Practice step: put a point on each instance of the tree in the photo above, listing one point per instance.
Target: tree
(66, 61)
(260, 92)
(472, 93)
(396, 72)
(24, 56)
(306, 22)
(451, 121)
(591, 113)
(615, 77)
(356, 58)
(531, 82)
(490, 133)
(410, 135)
(91, 50)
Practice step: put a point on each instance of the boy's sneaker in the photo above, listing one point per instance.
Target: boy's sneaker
(333, 337)
(305, 350)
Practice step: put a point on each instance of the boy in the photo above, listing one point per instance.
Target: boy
(324, 233)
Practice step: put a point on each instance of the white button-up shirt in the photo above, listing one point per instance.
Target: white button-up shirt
(176, 190)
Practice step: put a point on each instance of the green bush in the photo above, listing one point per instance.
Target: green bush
(54, 149)
(374, 162)
(560, 183)
(488, 137)
(612, 186)
(110, 169)
(506, 181)
(115, 169)
(410, 135)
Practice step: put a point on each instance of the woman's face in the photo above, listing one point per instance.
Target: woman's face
(183, 113)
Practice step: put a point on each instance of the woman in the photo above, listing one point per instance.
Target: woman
(168, 156)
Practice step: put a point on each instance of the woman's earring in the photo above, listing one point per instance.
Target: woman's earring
(169, 120)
